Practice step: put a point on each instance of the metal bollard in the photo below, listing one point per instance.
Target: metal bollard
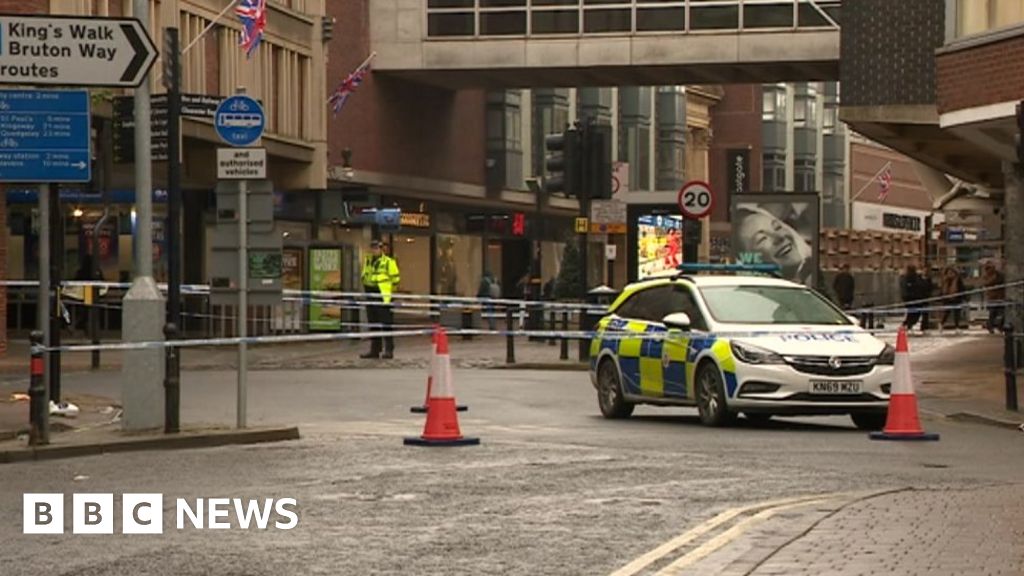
(552, 322)
(584, 344)
(510, 343)
(467, 322)
(1010, 367)
(39, 429)
(563, 354)
(172, 382)
(94, 329)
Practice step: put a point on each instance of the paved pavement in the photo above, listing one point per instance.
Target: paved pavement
(934, 532)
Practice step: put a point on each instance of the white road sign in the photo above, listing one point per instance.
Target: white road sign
(67, 51)
(241, 163)
(696, 199)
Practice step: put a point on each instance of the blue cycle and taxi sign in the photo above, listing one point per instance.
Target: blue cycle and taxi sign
(240, 120)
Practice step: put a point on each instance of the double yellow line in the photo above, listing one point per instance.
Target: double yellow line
(765, 511)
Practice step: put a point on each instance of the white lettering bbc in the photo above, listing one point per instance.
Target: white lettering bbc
(143, 513)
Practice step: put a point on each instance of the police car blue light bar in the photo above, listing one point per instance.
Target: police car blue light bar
(764, 268)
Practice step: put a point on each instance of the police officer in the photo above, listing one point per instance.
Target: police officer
(380, 276)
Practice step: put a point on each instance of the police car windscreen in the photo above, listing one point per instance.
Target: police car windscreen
(770, 305)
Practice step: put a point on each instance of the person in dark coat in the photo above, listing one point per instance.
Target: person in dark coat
(844, 285)
(913, 288)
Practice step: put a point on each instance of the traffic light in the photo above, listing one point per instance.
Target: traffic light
(1019, 137)
(327, 25)
(563, 162)
(171, 60)
(598, 150)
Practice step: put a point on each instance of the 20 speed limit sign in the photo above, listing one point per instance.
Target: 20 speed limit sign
(696, 199)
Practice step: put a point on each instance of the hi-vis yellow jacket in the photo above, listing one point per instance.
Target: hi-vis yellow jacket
(381, 273)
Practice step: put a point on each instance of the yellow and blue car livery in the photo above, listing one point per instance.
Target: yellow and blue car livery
(770, 362)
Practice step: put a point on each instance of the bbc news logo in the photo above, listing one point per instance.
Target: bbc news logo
(144, 513)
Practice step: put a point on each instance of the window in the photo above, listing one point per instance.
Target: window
(805, 112)
(978, 16)
(770, 305)
(679, 298)
(635, 135)
(831, 124)
(774, 176)
(774, 103)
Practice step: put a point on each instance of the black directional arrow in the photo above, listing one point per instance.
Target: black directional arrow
(72, 60)
(141, 53)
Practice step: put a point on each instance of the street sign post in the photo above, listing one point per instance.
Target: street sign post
(240, 120)
(192, 106)
(696, 199)
(45, 136)
(71, 51)
(241, 163)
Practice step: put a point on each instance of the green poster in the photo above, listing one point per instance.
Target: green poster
(324, 275)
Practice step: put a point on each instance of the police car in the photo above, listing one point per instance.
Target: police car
(731, 344)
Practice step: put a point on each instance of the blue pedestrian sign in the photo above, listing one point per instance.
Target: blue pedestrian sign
(239, 120)
(45, 136)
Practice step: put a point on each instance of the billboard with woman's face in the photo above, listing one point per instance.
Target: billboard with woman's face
(778, 229)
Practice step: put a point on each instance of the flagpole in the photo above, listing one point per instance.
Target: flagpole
(873, 178)
(360, 67)
(209, 26)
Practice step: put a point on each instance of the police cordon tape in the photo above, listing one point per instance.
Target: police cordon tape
(794, 335)
(362, 299)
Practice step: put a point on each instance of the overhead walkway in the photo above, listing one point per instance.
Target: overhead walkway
(536, 43)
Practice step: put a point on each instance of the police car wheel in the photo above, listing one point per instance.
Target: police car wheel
(869, 421)
(711, 397)
(609, 392)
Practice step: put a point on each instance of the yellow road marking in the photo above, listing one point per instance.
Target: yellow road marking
(675, 568)
(665, 549)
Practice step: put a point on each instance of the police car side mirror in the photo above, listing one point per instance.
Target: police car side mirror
(677, 321)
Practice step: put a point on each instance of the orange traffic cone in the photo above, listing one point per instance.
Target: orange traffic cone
(902, 422)
(433, 365)
(442, 426)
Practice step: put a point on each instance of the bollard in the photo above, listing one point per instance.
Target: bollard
(552, 318)
(563, 354)
(39, 429)
(94, 331)
(584, 344)
(510, 343)
(172, 382)
(1010, 367)
(467, 322)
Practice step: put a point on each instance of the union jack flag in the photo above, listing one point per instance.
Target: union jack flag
(885, 184)
(348, 86)
(253, 14)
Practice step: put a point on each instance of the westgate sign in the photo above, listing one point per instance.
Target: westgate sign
(68, 51)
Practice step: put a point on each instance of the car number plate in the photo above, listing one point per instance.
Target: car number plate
(835, 386)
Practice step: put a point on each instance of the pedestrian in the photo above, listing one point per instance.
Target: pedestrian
(952, 290)
(995, 296)
(844, 286)
(913, 289)
(380, 277)
(489, 289)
